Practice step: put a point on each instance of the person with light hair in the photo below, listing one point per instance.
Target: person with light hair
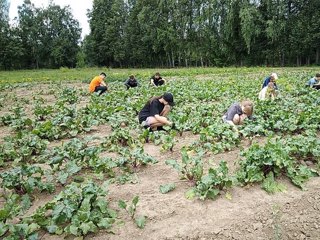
(272, 78)
(238, 112)
(268, 92)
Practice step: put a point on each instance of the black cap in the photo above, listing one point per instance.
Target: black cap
(169, 98)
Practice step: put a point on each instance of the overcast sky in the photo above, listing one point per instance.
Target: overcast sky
(78, 8)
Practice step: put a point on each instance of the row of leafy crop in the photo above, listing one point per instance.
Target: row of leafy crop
(62, 165)
(78, 210)
(280, 156)
(297, 158)
(200, 105)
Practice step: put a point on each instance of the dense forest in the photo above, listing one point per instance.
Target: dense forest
(163, 33)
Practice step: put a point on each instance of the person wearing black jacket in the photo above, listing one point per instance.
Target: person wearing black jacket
(131, 82)
(157, 80)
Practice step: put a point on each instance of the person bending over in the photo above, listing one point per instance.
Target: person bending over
(98, 84)
(268, 92)
(314, 82)
(272, 78)
(237, 113)
(131, 82)
(154, 113)
(157, 80)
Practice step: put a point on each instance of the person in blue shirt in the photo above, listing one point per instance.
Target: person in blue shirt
(314, 82)
(272, 78)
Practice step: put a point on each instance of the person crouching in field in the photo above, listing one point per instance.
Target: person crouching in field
(97, 84)
(272, 78)
(154, 113)
(157, 80)
(131, 82)
(268, 92)
(314, 82)
(238, 112)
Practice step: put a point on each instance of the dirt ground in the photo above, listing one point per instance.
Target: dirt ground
(250, 213)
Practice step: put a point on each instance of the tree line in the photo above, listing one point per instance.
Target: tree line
(163, 33)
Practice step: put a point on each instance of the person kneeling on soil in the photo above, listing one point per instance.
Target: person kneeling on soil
(237, 113)
(314, 82)
(131, 82)
(97, 84)
(268, 92)
(154, 114)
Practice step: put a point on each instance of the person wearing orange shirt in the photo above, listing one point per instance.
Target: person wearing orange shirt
(97, 84)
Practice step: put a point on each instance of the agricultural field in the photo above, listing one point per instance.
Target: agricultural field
(79, 166)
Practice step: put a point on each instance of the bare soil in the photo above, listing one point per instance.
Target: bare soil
(250, 213)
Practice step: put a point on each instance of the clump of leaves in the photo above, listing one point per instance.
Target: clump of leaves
(42, 112)
(275, 157)
(191, 168)
(131, 210)
(24, 147)
(26, 179)
(118, 138)
(219, 137)
(211, 185)
(71, 157)
(132, 159)
(17, 119)
(78, 210)
(68, 95)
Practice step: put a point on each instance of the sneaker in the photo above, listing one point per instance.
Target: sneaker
(161, 129)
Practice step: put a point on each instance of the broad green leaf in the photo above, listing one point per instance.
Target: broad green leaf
(141, 221)
(122, 204)
(167, 188)
(190, 194)
(135, 200)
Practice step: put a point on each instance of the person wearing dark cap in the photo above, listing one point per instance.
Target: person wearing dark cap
(98, 84)
(154, 113)
(131, 82)
(157, 80)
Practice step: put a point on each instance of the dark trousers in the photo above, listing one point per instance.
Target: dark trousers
(316, 87)
(102, 89)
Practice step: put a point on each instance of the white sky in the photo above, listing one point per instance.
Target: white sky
(78, 8)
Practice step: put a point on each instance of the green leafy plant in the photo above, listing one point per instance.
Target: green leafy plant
(272, 160)
(132, 159)
(24, 147)
(210, 185)
(191, 168)
(78, 210)
(131, 210)
(26, 179)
